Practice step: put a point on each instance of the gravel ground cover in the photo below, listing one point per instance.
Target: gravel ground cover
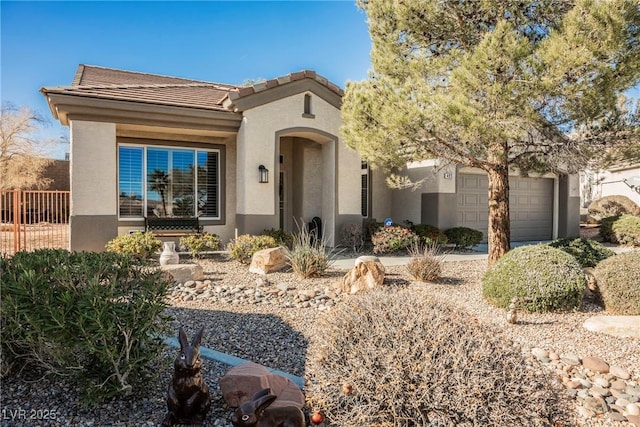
(276, 331)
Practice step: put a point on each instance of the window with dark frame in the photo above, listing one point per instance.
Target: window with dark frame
(168, 182)
(364, 192)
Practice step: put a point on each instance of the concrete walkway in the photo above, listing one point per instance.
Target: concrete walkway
(478, 252)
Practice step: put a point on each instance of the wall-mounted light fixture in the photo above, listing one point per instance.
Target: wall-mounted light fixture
(263, 174)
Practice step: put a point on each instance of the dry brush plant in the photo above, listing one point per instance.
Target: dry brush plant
(426, 262)
(399, 359)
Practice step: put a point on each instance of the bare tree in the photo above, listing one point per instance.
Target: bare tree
(23, 151)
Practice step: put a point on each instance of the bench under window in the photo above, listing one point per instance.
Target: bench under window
(164, 226)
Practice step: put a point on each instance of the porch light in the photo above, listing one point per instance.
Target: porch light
(263, 174)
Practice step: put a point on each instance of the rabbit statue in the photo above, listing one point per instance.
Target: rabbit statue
(254, 413)
(188, 397)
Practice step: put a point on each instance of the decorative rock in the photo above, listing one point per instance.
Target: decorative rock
(184, 272)
(586, 413)
(618, 326)
(268, 260)
(366, 258)
(598, 391)
(366, 275)
(633, 409)
(602, 382)
(619, 372)
(243, 381)
(570, 359)
(595, 364)
(598, 405)
(539, 353)
(634, 419)
(616, 416)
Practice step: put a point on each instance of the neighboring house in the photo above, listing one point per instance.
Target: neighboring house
(148, 145)
(620, 180)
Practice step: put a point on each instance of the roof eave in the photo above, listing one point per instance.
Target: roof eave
(66, 107)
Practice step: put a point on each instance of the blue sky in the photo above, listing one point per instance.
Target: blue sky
(43, 42)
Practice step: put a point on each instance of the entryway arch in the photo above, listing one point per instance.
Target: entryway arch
(306, 160)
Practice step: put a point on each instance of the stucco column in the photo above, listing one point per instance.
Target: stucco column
(94, 197)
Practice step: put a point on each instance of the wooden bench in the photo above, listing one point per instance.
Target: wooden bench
(168, 227)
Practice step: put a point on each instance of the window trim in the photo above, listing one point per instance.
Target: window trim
(206, 220)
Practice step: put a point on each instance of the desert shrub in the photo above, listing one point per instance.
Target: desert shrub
(283, 238)
(611, 206)
(626, 230)
(244, 246)
(426, 262)
(545, 278)
(138, 244)
(398, 358)
(353, 237)
(429, 233)
(94, 317)
(200, 242)
(606, 228)
(618, 281)
(464, 237)
(391, 239)
(587, 252)
(309, 256)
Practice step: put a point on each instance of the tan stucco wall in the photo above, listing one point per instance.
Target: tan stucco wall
(258, 143)
(93, 168)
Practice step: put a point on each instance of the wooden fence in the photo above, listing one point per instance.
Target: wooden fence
(33, 219)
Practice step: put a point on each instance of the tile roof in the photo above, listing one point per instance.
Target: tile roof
(109, 83)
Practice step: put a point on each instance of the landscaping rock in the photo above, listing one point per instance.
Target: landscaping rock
(366, 275)
(241, 382)
(184, 272)
(268, 260)
(595, 364)
(619, 372)
(617, 326)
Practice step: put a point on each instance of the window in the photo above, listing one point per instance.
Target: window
(177, 182)
(364, 192)
(307, 104)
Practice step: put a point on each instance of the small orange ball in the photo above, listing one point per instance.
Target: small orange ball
(317, 418)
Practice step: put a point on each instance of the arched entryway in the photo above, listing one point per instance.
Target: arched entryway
(306, 174)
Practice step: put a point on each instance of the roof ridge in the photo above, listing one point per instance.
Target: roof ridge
(150, 85)
(85, 66)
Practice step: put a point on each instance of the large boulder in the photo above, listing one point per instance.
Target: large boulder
(243, 381)
(268, 260)
(366, 275)
(184, 272)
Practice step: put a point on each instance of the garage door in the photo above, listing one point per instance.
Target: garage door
(530, 201)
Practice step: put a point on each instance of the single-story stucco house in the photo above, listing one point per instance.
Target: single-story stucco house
(245, 159)
(622, 179)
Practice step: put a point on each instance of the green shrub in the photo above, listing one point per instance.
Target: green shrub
(95, 317)
(201, 242)
(626, 230)
(545, 278)
(464, 237)
(618, 281)
(392, 239)
(411, 361)
(587, 252)
(611, 206)
(426, 262)
(309, 256)
(606, 228)
(283, 238)
(138, 244)
(429, 233)
(244, 246)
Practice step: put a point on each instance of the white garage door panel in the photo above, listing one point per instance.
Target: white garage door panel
(530, 200)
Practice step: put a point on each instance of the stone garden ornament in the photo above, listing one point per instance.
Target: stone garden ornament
(188, 397)
(255, 413)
